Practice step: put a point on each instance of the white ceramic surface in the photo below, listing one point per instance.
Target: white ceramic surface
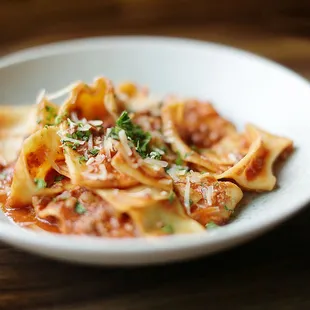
(243, 87)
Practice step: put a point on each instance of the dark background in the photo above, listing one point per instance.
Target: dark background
(278, 29)
(272, 272)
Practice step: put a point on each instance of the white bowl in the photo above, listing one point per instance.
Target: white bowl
(243, 87)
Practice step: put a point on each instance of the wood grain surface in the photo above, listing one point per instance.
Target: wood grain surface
(272, 272)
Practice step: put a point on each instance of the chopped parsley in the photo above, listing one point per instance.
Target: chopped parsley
(79, 208)
(51, 113)
(49, 109)
(79, 135)
(58, 178)
(227, 209)
(195, 148)
(168, 229)
(137, 137)
(171, 197)
(188, 154)
(179, 160)
(155, 155)
(40, 183)
(83, 159)
(94, 152)
(60, 118)
(211, 225)
(73, 146)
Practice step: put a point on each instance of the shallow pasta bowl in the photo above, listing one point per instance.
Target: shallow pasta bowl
(243, 87)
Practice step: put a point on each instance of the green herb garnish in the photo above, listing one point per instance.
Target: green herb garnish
(227, 209)
(171, 197)
(155, 155)
(139, 138)
(211, 225)
(168, 229)
(179, 160)
(82, 135)
(79, 208)
(195, 148)
(94, 152)
(58, 178)
(40, 183)
(83, 159)
(49, 109)
(51, 113)
(188, 154)
(60, 118)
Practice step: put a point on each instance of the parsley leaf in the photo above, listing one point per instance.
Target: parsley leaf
(58, 178)
(179, 160)
(155, 155)
(79, 208)
(49, 109)
(83, 159)
(168, 229)
(135, 134)
(40, 183)
(60, 118)
(171, 197)
(94, 152)
(227, 209)
(211, 225)
(188, 154)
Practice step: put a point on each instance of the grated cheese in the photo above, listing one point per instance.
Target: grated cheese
(40, 96)
(233, 157)
(142, 193)
(108, 146)
(74, 117)
(207, 194)
(85, 127)
(66, 139)
(90, 161)
(100, 158)
(124, 142)
(61, 92)
(195, 177)
(161, 152)
(71, 124)
(103, 172)
(155, 163)
(90, 142)
(96, 123)
(187, 195)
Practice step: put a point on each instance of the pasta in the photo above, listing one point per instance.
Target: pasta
(117, 162)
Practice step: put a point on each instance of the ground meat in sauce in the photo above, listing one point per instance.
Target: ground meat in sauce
(203, 213)
(94, 216)
(256, 165)
(202, 126)
(147, 121)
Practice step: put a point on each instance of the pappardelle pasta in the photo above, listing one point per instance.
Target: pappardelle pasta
(115, 162)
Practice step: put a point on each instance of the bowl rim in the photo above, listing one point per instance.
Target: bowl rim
(230, 234)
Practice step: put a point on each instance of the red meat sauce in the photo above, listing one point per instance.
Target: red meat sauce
(203, 126)
(93, 216)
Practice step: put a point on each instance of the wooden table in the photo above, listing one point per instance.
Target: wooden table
(272, 272)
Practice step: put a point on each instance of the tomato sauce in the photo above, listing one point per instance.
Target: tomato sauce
(257, 164)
